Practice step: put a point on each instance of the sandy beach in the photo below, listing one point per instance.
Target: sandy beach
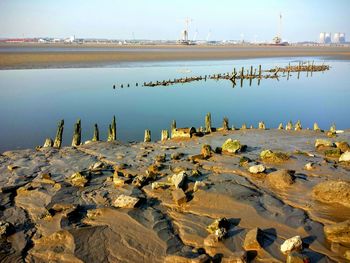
(99, 55)
(178, 200)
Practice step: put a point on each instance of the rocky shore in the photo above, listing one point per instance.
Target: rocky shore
(248, 195)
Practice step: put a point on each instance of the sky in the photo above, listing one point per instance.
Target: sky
(251, 20)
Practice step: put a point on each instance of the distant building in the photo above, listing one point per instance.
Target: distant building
(325, 38)
(339, 38)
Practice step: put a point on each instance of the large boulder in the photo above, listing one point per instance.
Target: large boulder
(343, 146)
(333, 192)
(78, 180)
(323, 143)
(178, 179)
(231, 146)
(339, 232)
(345, 157)
(280, 178)
(125, 201)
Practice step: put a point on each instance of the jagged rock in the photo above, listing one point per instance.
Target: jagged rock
(345, 157)
(12, 167)
(275, 157)
(262, 125)
(217, 224)
(198, 185)
(324, 143)
(98, 166)
(211, 240)
(176, 156)
(236, 257)
(252, 239)
(125, 201)
(339, 232)
(296, 257)
(280, 126)
(77, 179)
(178, 179)
(343, 146)
(280, 178)
(48, 143)
(140, 180)
(243, 161)
(257, 169)
(333, 192)
(231, 146)
(298, 126)
(309, 166)
(120, 181)
(5, 229)
(291, 244)
(195, 173)
(161, 158)
(316, 127)
(179, 196)
(221, 233)
(206, 151)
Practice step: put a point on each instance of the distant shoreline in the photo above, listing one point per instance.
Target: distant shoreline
(46, 56)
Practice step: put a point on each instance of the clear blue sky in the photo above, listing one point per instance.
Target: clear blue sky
(162, 19)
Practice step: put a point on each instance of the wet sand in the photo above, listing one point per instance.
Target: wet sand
(102, 55)
(54, 220)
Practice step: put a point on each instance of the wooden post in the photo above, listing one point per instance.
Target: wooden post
(114, 129)
(242, 72)
(58, 139)
(96, 136)
(109, 136)
(259, 71)
(251, 71)
(77, 134)
(208, 123)
(225, 124)
(147, 136)
(164, 135)
(173, 125)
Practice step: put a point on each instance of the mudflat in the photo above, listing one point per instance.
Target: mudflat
(56, 56)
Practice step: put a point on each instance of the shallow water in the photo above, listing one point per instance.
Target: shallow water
(33, 101)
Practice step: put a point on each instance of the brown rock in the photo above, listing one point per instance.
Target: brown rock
(280, 178)
(236, 257)
(343, 146)
(179, 196)
(339, 232)
(333, 192)
(206, 151)
(251, 241)
(211, 240)
(296, 257)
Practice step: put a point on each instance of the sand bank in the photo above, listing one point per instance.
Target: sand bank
(92, 56)
(53, 219)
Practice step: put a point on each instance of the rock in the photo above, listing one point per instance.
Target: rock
(178, 179)
(120, 181)
(296, 257)
(211, 241)
(5, 229)
(77, 179)
(347, 254)
(179, 196)
(206, 151)
(345, 157)
(176, 156)
(217, 224)
(236, 257)
(125, 201)
(262, 125)
(157, 185)
(231, 146)
(324, 143)
(195, 173)
(339, 232)
(289, 126)
(161, 158)
(280, 178)
(257, 169)
(343, 146)
(204, 258)
(243, 161)
(98, 166)
(276, 157)
(198, 185)
(140, 180)
(48, 143)
(280, 126)
(316, 127)
(12, 167)
(291, 244)
(252, 239)
(298, 126)
(309, 166)
(333, 192)
(332, 152)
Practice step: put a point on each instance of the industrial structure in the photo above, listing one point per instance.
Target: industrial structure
(326, 38)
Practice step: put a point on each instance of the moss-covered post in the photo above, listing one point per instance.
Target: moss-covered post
(164, 135)
(208, 122)
(225, 124)
(147, 136)
(58, 139)
(77, 134)
(96, 136)
(114, 129)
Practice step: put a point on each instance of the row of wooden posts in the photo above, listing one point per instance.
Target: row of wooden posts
(175, 132)
(243, 74)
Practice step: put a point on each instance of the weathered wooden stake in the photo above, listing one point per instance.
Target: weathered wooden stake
(77, 134)
(147, 136)
(114, 129)
(96, 136)
(251, 71)
(259, 71)
(164, 135)
(208, 122)
(58, 139)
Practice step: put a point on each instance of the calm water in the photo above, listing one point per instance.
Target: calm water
(33, 101)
